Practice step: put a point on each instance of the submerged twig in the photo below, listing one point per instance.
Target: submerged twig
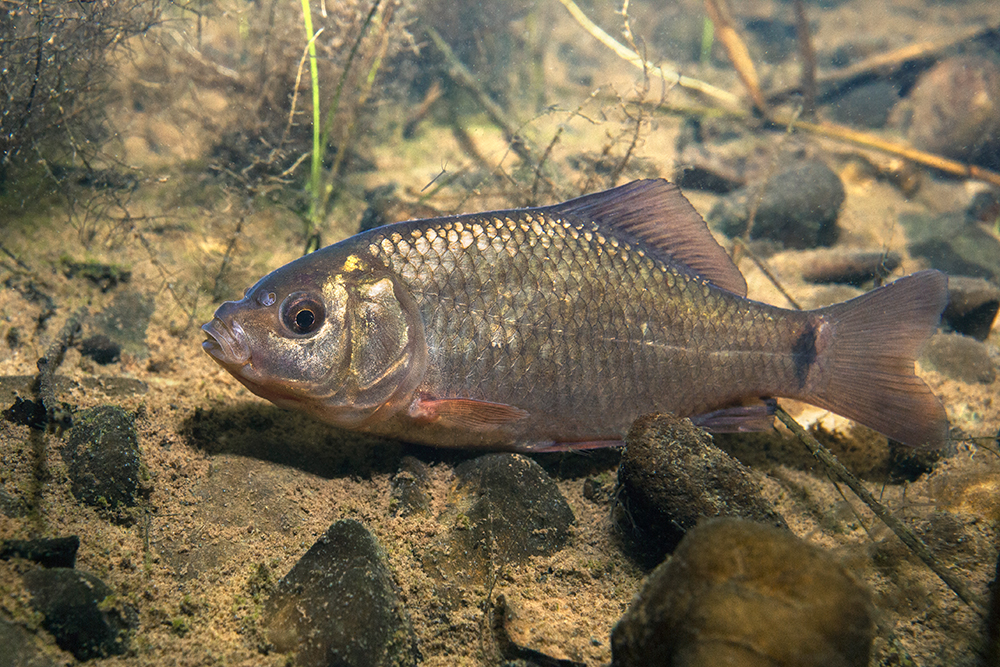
(463, 77)
(786, 119)
(759, 263)
(669, 76)
(901, 530)
(736, 49)
(48, 364)
(884, 63)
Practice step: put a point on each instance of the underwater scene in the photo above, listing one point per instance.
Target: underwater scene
(549, 332)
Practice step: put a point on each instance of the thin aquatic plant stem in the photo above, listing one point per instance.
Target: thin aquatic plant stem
(317, 155)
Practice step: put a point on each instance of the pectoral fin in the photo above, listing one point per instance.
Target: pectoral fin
(464, 413)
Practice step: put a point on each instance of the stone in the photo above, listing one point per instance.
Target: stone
(845, 266)
(339, 606)
(798, 208)
(513, 494)
(672, 476)
(972, 306)
(410, 492)
(75, 609)
(954, 110)
(103, 456)
(502, 510)
(740, 593)
(865, 105)
(959, 357)
(53, 552)
(101, 349)
(953, 244)
(125, 320)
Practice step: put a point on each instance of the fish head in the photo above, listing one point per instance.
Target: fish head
(337, 337)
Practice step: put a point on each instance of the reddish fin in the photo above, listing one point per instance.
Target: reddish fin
(465, 413)
(739, 418)
(657, 214)
(868, 374)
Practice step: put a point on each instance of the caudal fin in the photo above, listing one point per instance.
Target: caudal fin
(869, 375)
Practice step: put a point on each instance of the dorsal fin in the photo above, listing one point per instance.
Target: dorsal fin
(656, 213)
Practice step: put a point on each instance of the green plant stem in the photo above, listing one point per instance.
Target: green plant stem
(317, 155)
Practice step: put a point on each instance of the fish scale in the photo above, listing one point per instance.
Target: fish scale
(601, 359)
(556, 327)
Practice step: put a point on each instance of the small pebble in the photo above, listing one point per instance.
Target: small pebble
(125, 321)
(739, 593)
(799, 207)
(339, 606)
(510, 501)
(960, 358)
(867, 105)
(972, 306)
(53, 552)
(101, 349)
(953, 244)
(103, 456)
(845, 266)
(503, 508)
(671, 476)
(74, 610)
(410, 492)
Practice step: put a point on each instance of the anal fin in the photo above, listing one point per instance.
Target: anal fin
(739, 418)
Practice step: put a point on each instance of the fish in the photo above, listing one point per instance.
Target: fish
(554, 328)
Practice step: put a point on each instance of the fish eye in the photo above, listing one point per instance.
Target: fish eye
(302, 313)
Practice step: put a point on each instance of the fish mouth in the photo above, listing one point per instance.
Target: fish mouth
(226, 343)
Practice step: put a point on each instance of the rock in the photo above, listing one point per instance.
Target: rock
(338, 605)
(845, 266)
(984, 206)
(124, 322)
(103, 457)
(101, 349)
(739, 593)
(503, 508)
(972, 306)
(954, 110)
(410, 493)
(959, 357)
(866, 105)
(74, 606)
(510, 501)
(672, 476)
(55, 552)
(798, 208)
(21, 648)
(953, 244)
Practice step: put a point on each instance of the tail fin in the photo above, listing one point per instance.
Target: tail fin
(869, 374)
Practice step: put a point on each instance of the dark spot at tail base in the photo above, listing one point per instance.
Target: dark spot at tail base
(804, 354)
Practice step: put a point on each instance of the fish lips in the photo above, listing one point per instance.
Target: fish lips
(226, 343)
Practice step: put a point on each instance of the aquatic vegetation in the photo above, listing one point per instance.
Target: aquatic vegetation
(55, 79)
